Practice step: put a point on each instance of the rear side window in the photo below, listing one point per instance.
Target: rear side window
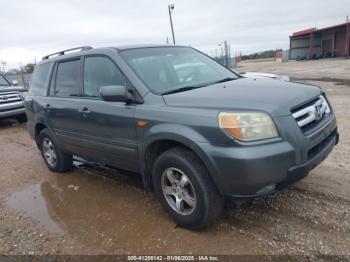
(100, 71)
(67, 78)
(37, 86)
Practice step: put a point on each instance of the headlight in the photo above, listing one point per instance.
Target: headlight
(248, 126)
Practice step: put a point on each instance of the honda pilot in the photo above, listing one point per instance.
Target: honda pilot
(197, 132)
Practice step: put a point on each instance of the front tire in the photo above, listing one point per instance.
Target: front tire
(184, 188)
(55, 159)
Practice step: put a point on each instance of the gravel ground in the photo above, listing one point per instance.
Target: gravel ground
(94, 210)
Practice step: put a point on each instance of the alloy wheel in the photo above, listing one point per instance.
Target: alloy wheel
(178, 191)
(49, 152)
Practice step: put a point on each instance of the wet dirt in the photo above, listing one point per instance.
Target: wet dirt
(97, 210)
(115, 214)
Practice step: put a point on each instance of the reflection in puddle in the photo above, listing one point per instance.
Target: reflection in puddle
(30, 201)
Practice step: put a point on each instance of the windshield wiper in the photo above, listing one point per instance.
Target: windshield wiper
(185, 88)
(182, 89)
(225, 80)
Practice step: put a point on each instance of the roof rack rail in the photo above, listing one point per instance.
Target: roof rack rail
(80, 48)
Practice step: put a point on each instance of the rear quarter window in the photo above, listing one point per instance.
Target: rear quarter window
(40, 77)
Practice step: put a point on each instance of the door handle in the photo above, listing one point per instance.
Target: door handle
(47, 107)
(84, 110)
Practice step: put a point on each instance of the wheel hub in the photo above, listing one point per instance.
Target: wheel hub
(178, 191)
(49, 152)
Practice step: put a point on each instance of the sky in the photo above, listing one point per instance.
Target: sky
(31, 29)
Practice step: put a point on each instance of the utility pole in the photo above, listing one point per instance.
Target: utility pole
(229, 56)
(171, 9)
(3, 66)
(347, 44)
(226, 54)
(22, 74)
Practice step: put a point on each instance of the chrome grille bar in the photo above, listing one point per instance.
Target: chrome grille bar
(312, 112)
(10, 97)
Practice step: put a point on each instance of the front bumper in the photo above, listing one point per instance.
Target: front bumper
(296, 173)
(241, 172)
(12, 112)
(12, 108)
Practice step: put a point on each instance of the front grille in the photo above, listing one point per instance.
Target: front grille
(324, 143)
(312, 114)
(10, 97)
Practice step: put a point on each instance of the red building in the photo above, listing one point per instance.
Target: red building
(332, 41)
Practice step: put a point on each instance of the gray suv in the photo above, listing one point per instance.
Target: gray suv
(197, 132)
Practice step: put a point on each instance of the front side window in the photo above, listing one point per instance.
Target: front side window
(67, 78)
(38, 81)
(100, 71)
(172, 69)
(3, 81)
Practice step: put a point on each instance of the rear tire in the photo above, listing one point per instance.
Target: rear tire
(184, 188)
(55, 159)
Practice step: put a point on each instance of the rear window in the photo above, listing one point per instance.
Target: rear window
(39, 79)
(67, 78)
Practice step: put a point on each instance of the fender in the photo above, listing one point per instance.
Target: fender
(179, 133)
(39, 118)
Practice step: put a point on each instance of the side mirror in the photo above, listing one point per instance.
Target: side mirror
(115, 94)
(14, 82)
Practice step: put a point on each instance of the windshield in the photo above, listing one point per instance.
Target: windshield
(3, 81)
(170, 69)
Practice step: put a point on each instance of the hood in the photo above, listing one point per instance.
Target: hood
(4, 89)
(272, 96)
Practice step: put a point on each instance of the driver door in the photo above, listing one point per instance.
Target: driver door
(108, 130)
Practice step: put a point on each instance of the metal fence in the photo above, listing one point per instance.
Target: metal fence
(225, 61)
(223, 56)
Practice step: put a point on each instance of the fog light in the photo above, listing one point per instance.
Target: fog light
(267, 189)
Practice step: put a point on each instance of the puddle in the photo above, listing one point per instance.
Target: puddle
(337, 81)
(95, 205)
(109, 210)
(66, 199)
(31, 202)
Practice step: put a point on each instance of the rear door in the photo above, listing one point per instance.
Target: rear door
(107, 129)
(63, 104)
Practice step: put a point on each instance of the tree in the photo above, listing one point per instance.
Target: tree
(29, 68)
